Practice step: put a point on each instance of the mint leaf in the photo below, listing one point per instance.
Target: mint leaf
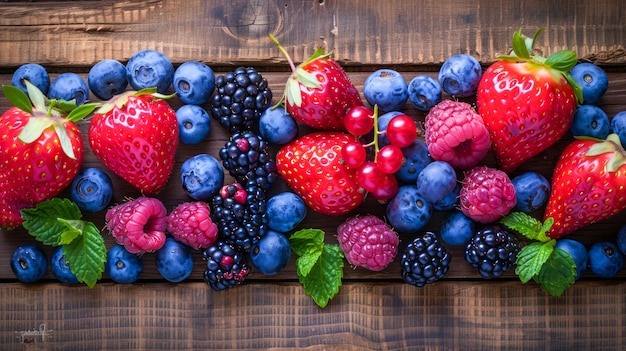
(86, 254)
(557, 274)
(74, 228)
(531, 259)
(41, 221)
(324, 279)
(525, 224)
(306, 240)
(305, 263)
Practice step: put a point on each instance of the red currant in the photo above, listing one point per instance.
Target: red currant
(401, 131)
(353, 154)
(359, 120)
(389, 159)
(387, 190)
(369, 176)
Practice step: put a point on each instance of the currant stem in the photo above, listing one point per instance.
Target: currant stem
(376, 133)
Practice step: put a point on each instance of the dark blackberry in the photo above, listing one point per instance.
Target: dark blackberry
(240, 214)
(240, 99)
(492, 250)
(226, 266)
(246, 157)
(424, 260)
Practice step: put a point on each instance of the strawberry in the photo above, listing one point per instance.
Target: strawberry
(41, 150)
(312, 166)
(318, 92)
(527, 102)
(588, 185)
(135, 135)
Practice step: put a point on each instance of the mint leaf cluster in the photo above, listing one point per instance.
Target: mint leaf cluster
(319, 265)
(57, 222)
(552, 268)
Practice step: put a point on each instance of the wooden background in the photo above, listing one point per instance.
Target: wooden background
(373, 311)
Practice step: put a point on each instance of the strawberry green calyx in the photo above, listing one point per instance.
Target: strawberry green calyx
(121, 99)
(611, 144)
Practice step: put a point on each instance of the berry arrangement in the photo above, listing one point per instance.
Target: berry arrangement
(332, 150)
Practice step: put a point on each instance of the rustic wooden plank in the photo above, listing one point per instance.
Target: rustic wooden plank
(360, 32)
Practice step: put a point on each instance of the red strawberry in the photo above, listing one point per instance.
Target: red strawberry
(41, 150)
(527, 102)
(312, 167)
(135, 135)
(319, 93)
(588, 185)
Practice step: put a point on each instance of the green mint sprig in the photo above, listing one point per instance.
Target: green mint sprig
(552, 268)
(57, 222)
(319, 265)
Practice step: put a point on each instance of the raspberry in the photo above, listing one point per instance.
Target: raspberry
(424, 260)
(487, 194)
(190, 223)
(368, 242)
(139, 225)
(492, 250)
(456, 134)
(226, 266)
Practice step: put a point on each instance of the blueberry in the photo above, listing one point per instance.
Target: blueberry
(194, 82)
(457, 229)
(578, 251)
(531, 191)
(618, 126)
(605, 259)
(387, 89)
(416, 157)
(194, 124)
(383, 122)
(150, 69)
(201, 176)
(408, 211)
(424, 92)
(436, 180)
(592, 79)
(122, 266)
(34, 73)
(277, 126)
(107, 78)
(621, 240)
(174, 261)
(271, 254)
(29, 263)
(91, 190)
(459, 75)
(450, 200)
(590, 121)
(285, 211)
(69, 86)
(60, 268)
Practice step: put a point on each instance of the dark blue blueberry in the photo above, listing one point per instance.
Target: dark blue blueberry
(122, 266)
(578, 251)
(436, 180)
(29, 263)
(416, 158)
(91, 190)
(621, 240)
(590, 121)
(271, 254)
(34, 73)
(69, 86)
(174, 261)
(194, 124)
(285, 211)
(592, 79)
(150, 69)
(531, 191)
(194, 82)
(459, 75)
(202, 176)
(618, 126)
(408, 211)
(457, 229)
(387, 89)
(277, 126)
(450, 201)
(107, 78)
(605, 259)
(424, 92)
(60, 268)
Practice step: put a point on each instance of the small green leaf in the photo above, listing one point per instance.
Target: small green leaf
(82, 111)
(578, 90)
(531, 259)
(519, 45)
(562, 61)
(319, 53)
(86, 255)
(557, 274)
(17, 98)
(37, 98)
(324, 280)
(292, 92)
(306, 240)
(74, 228)
(523, 223)
(34, 128)
(64, 140)
(307, 79)
(42, 221)
(63, 106)
(305, 263)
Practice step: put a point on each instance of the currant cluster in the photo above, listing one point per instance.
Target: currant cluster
(377, 175)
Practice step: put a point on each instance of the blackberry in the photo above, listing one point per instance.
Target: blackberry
(226, 266)
(246, 156)
(240, 99)
(492, 250)
(424, 260)
(240, 214)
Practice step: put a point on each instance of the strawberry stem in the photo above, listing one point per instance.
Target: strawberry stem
(284, 52)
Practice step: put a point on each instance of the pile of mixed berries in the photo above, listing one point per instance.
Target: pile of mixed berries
(352, 149)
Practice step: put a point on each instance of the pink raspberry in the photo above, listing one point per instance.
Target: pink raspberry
(190, 223)
(138, 224)
(487, 194)
(456, 134)
(368, 242)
